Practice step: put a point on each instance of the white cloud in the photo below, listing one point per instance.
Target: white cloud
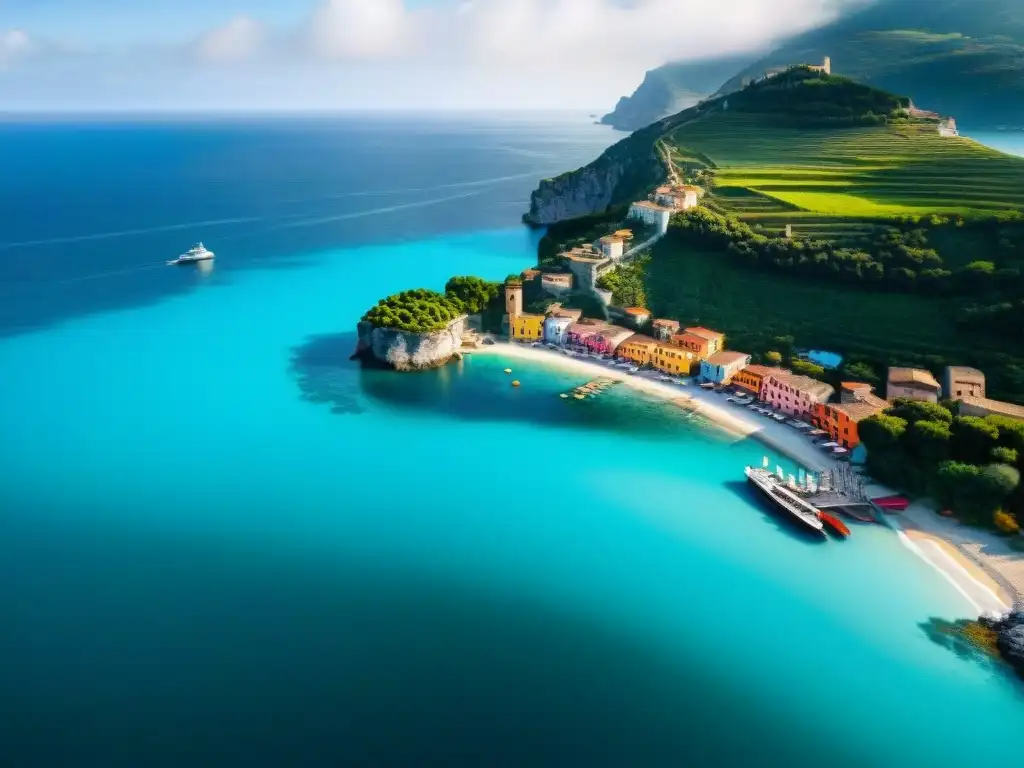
(397, 53)
(14, 43)
(237, 40)
(361, 29)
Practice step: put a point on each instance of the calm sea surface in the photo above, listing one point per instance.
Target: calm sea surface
(224, 544)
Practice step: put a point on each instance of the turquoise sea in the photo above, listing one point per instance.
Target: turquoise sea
(225, 544)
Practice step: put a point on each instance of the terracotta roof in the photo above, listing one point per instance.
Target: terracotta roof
(639, 338)
(762, 370)
(859, 410)
(529, 274)
(662, 323)
(855, 386)
(804, 384)
(557, 277)
(996, 407)
(651, 206)
(705, 333)
(727, 358)
(637, 311)
(962, 373)
(914, 377)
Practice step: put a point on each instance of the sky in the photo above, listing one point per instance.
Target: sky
(223, 55)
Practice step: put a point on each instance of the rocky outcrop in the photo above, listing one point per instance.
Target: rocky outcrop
(1011, 638)
(580, 193)
(408, 351)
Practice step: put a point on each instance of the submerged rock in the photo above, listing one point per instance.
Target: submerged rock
(1010, 640)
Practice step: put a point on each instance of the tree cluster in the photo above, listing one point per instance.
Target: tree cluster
(423, 311)
(626, 284)
(970, 465)
(800, 96)
(897, 258)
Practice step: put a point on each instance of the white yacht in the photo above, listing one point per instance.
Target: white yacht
(196, 253)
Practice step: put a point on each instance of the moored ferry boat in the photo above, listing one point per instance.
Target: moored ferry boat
(784, 500)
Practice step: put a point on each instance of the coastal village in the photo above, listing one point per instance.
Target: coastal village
(662, 345)
(804, 405)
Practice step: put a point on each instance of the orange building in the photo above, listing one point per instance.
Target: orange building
(840, 420)
(751, 378)
(700, 342)
(638, 348)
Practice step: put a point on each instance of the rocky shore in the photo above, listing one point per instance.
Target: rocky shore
(1010, 640)
(408, 351)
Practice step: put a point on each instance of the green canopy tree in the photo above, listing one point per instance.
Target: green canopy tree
(913, 411)
(974, 439)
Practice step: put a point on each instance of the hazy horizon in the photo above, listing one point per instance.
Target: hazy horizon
(82, 56)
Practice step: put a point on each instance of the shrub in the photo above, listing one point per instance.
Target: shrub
(773, 358)
(1005, 523)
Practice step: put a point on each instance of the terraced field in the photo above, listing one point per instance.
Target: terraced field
(834, 182)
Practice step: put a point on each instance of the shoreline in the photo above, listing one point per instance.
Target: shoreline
(735, 420)
(979, 565)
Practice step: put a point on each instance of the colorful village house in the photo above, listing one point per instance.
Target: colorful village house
(556, 284)
(637, 316)
(795, 395)
(959, 381)
(702, 342)
(638, 349)
(721, 367)
(664, 330)
(673, 359)
(752, 378)
(840, 420)
(912, 383)
(556, 324)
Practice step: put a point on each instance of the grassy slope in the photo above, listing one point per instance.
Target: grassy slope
(831, 182)
(834, 184)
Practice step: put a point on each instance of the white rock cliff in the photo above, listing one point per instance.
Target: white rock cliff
(407, 351)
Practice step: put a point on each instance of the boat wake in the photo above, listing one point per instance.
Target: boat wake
(130, 232)
(317, 221)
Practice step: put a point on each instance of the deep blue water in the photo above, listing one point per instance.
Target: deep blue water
(225, 544)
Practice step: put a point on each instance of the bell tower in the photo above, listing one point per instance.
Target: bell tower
(513, 299)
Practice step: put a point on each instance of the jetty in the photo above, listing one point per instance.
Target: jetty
(591, 389)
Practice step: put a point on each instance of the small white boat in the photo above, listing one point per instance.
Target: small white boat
(196, 253)
(632, 369)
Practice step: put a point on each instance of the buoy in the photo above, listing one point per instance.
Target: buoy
(508, 370)
(515, 383)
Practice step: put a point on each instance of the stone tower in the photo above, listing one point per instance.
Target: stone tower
(513, 303)
(827, 65)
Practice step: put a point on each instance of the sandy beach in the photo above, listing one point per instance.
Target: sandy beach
(978, 564)
(736, 420)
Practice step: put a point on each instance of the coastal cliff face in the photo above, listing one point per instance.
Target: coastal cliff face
(672, 88)
(407, 351)
(624, 173)
(580, 193)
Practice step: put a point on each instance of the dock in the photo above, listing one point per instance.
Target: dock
(591, 389)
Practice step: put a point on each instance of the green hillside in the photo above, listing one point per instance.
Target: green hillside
(907, 246)
(960, 57)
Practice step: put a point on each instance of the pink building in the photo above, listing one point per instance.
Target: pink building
(794, 395)
(597, 337)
